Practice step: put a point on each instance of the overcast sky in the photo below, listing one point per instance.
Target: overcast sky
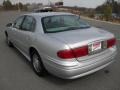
(81, 3)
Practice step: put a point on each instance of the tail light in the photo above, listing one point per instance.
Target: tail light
(65, 54)
(111, 42)
(73, 53)
(80, 52)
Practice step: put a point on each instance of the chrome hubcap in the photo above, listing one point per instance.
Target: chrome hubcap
(36, 63)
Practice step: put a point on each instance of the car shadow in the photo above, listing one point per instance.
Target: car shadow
(59, 81)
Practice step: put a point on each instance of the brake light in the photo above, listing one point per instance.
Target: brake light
(65, 54)
(111, 42)
(82, 51)
(73, 53)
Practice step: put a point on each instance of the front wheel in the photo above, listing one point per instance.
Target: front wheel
(9, 42)
(37, 64)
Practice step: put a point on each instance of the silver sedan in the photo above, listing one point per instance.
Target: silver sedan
(61, 44)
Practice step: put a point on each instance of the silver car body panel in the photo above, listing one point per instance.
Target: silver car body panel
(48, 44)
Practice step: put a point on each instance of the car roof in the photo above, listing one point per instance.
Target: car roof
(45, 14)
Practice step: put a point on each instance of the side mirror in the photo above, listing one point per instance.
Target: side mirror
(9, 25)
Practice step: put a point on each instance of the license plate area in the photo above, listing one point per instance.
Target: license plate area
(96, 47)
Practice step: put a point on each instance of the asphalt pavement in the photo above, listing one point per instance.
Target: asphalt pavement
(17, 74)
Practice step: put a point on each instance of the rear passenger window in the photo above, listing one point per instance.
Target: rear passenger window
(28, 24)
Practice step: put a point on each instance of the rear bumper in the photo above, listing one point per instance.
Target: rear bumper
(83, 68)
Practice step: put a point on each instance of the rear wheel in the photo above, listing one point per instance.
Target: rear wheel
(37, 64)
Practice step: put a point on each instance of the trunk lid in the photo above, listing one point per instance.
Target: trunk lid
(81, 37)
(77, 38)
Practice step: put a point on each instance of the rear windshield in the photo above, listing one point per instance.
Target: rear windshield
(60, 23)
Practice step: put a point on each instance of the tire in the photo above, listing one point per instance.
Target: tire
(9, 43)
(37, 64)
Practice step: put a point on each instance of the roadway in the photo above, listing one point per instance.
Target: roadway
(16, 72)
